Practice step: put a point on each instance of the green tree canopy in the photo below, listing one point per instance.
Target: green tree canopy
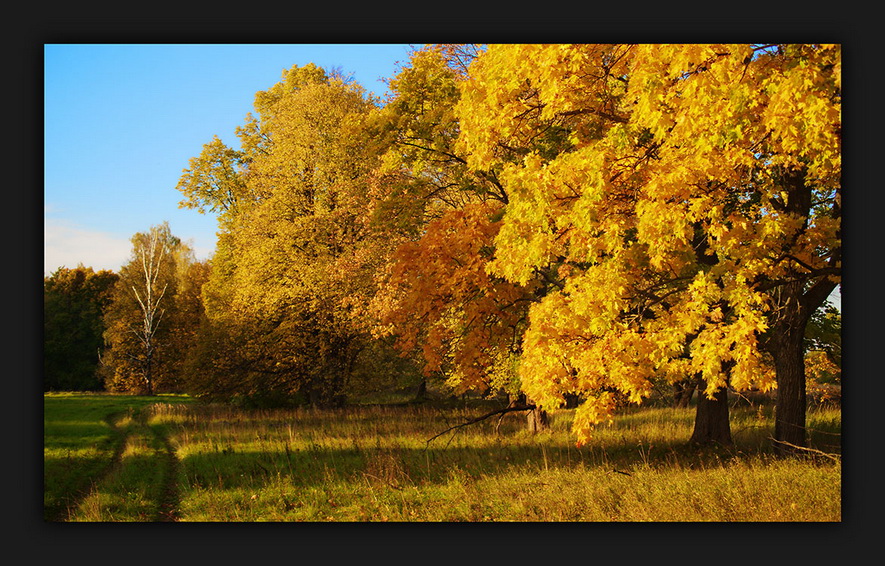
(74, 301)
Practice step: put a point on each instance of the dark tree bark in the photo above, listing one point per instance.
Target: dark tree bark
(711, 419)
(572, 400)
(786, 347)
(322, 397)
(796, 297)
(421, 393)
(789, 424)
(683, 392)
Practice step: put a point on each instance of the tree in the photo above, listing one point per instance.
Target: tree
(824, 333)
(74, 301)
(437, 296)
(290, 275)
(687, 197)
(214, 181)
(149, 303)
(184, 317)
(141, 353)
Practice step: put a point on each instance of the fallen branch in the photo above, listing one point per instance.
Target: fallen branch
(834, 457)
(508, 409)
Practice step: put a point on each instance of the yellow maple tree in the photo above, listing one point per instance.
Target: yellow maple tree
(689, 198)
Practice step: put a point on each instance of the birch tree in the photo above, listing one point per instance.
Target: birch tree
(149, 299)
(136, 321)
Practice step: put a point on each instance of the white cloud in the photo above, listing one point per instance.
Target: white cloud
(65, 244)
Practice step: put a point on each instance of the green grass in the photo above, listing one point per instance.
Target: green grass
(374, 463)
(85, 438)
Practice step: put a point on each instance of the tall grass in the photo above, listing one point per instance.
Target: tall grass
(377, 463)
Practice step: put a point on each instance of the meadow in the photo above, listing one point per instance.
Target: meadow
(115, 458)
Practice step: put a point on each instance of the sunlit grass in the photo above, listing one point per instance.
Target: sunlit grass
(376, 463)
(83, 435)
(129, 492)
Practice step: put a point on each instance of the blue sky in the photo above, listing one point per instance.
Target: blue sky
(122, 121)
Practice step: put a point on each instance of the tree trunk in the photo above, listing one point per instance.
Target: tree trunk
(329, 378)
(787, 349)
(683, 392)
(421, 394)
(711, 419)
(148, 369)
(795, 301)
(572, 400)
(537, 419)
(325, 391)
(789, 364)
(789, 424)
(323, 397)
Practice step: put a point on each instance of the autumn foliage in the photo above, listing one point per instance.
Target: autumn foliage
(557, 222)
(691, 208)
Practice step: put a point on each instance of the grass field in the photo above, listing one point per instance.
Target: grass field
(85, 437)
(168, 458)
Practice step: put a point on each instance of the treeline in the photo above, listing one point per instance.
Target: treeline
(131, 331)
(564, 223)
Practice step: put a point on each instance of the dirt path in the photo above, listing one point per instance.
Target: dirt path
(167, 500)
(118, 438)
(167, 508)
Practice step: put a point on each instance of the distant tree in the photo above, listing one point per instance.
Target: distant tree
(285, 298)
(824, 333)
(141, 321)
(823, 349)
(74, 301)
(184, 317)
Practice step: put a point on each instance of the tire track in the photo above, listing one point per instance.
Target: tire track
(119, 438)
(166, 500)
(168, 504)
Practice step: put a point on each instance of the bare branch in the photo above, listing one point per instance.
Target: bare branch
(834, 457)
(508, 409)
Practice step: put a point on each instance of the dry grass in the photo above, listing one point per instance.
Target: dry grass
(374, 464)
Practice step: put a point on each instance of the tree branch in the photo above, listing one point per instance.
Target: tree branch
(833, 457)
(508, 409)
